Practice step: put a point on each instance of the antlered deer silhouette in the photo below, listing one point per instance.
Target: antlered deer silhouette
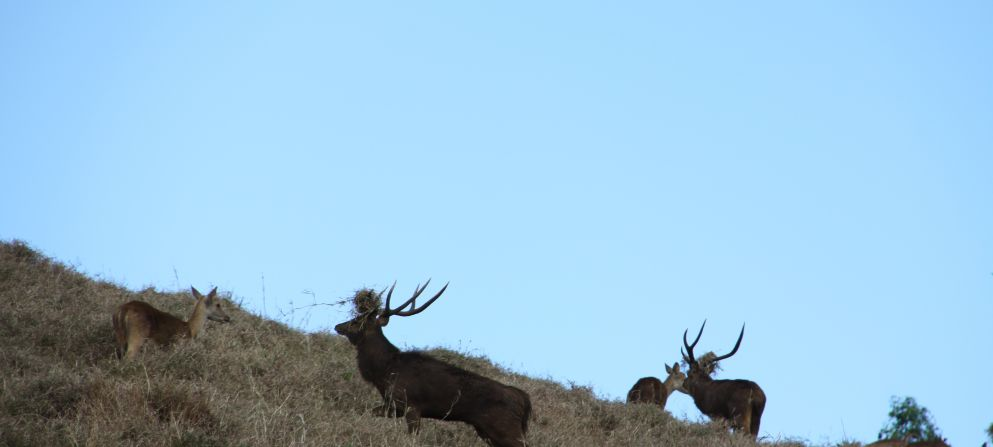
(650, 390)
(415, 385)
(137, 321)
(906, 443)
(738, 401)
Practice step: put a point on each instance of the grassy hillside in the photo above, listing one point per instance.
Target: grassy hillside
(253, 382)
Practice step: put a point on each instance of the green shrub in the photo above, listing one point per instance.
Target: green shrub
(909, 421)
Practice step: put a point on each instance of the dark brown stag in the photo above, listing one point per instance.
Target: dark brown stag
(738, 401)
(650, 390)
(415, 385)
(906, 443)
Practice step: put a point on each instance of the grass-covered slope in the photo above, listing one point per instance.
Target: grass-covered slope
(253, 382)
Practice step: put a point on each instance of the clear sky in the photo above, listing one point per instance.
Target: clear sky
(592, 177)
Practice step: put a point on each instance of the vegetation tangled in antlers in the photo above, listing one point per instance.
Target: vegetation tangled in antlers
(366, 301)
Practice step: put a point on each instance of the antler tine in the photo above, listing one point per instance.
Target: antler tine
(698, 334)
(736, 345)
(689, 347)
(412, 302)
(386, 306)
(418, 290)
(416, 310)
(688, 357)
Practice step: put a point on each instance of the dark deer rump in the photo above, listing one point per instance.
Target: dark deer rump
(524, 401)
(904, 443)
(758, 406)
(647, 390)
(726, 398)
(438, 390)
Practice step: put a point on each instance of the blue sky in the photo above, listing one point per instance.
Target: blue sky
(592, 178)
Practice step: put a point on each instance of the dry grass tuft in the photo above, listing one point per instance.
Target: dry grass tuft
(708, 364)
(366, 301)
(254, 382)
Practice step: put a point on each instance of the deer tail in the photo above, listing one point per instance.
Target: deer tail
(119, 332)
(528, 413)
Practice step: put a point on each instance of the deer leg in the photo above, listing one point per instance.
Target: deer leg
(382, 410)
(134, 345)
(755, 425)
(388, 409)
(746, 422)
(756, 416)
(120, 338)
(413, 417)
(507, 440)
(501, 438)
(734, 421)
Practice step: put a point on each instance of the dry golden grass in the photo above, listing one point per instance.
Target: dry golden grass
(254, 382)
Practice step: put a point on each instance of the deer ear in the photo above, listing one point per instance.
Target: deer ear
(212, 294)
(668, 370)
(196, 293)
(675, 366)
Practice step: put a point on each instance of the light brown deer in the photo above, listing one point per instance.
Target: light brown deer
(740, 402)
(137, 321)
(650, 390)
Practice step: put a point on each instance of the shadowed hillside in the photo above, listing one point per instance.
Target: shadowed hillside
(253, 382)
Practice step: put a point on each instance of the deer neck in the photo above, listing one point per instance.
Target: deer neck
(197, 319)
(375, 353)
(697, 386)
(668, 386)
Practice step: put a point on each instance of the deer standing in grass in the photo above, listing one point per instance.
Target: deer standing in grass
(650, 390)
(415, 385)
(137, 321)
(738, 401)
(906, 443)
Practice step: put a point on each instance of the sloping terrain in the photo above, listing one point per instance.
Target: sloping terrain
(254, 382)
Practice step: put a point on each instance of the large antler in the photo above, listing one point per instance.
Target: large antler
(414, 310)
(688, 355)
(736, 345)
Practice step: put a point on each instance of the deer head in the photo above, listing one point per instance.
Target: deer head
(699, 373)
(371, 321)
(212, 305)
(675, 378)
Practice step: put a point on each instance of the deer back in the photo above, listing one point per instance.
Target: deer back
(647, 390)
(442, 390)
(725, 398)
(140, 319)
